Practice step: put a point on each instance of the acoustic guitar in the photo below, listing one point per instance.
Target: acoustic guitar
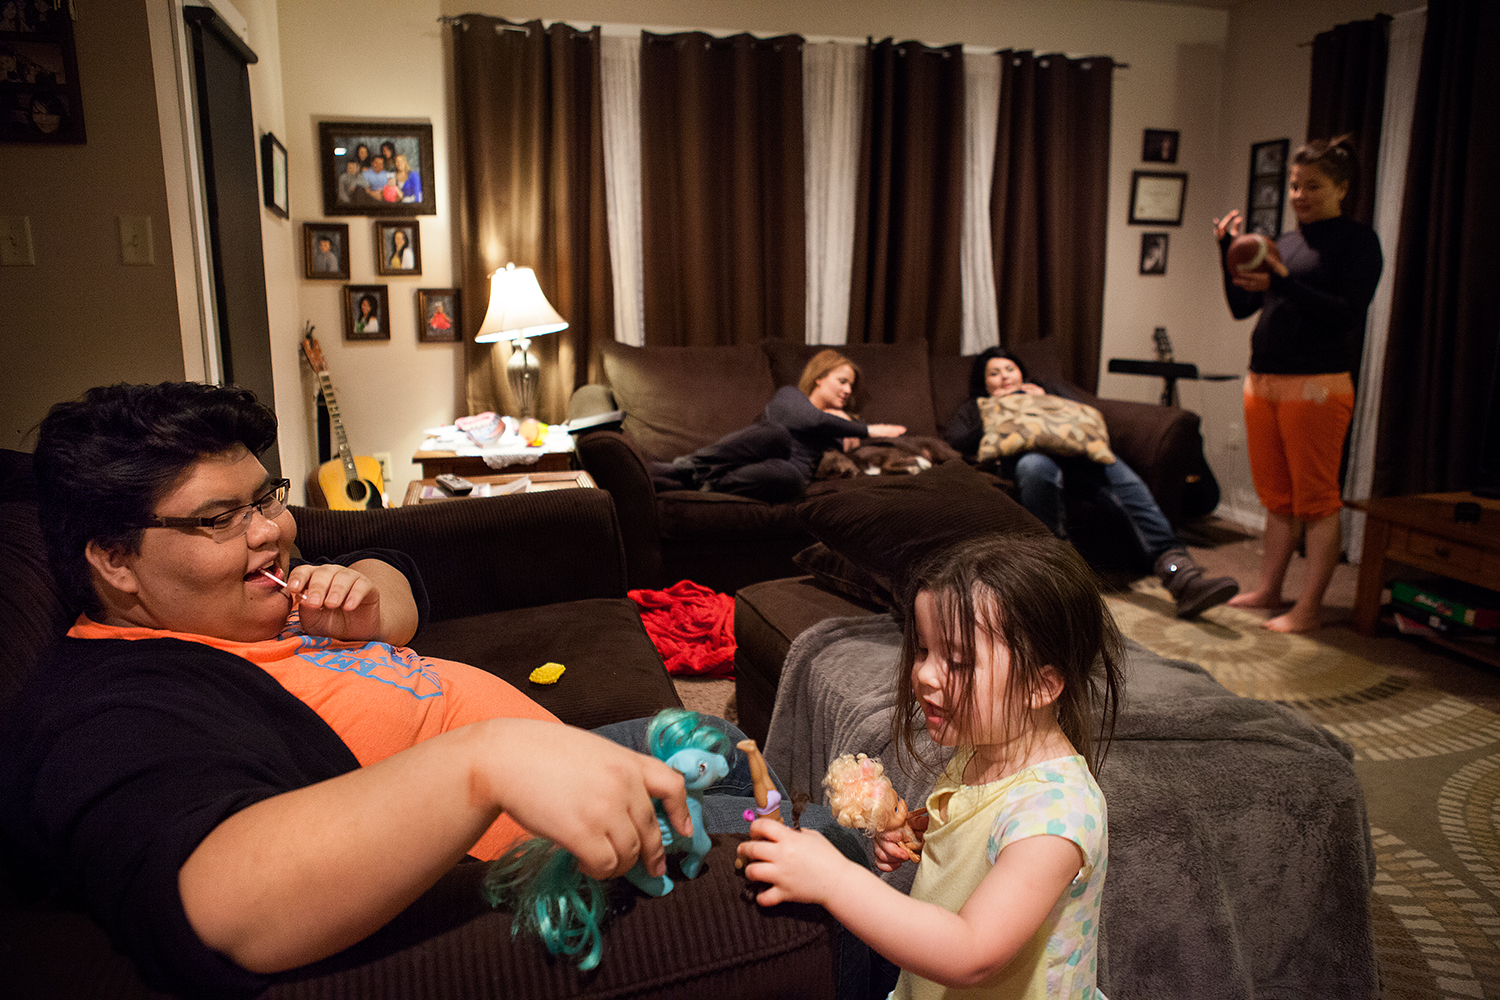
(349, 482)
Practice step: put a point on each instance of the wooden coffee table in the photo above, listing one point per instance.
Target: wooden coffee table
(426, 490)
(1422, 531)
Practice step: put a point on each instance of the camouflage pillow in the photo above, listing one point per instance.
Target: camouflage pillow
(1022, 422)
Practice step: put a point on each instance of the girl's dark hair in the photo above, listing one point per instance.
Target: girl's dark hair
(1034, 595)
(976, 370)
(105, 461)
(1334, 157)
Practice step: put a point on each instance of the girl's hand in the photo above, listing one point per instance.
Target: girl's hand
(1230, 224)
(886, 430)
(1032, 389)
(1255, 281)
(801, 866)
(338, 602)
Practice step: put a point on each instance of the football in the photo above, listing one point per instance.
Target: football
(1250, 253)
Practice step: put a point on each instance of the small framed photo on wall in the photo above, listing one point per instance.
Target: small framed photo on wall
(439, 319)
(367, 315)
(1154, 253)
(273, 175)
(325, 250)
(1159, 146)
(398, 247)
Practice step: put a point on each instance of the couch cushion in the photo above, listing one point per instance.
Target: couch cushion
(887, 528)
(693, 514)
(614, 672)
(31, 604)
(950, 384)
(893, 387)
(678, 399)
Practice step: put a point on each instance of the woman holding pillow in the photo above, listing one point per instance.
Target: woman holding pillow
(1044, 479)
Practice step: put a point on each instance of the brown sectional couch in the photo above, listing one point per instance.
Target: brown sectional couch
(514, 582)
(677, 399)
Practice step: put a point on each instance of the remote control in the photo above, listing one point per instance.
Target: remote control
(453, 485)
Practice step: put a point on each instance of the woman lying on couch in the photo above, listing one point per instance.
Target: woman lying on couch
(1043, 480)
(232, 760)
(776, 457)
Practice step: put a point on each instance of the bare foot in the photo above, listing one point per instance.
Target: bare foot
(1296, 621)
(1257, 599)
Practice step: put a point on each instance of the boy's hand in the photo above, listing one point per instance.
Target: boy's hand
(801, 866)
(336, 601)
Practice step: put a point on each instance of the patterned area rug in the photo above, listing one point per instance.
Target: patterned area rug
(1429, 762)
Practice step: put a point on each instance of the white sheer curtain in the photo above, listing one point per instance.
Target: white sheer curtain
(832, 88)
(620, 80)
(1402, 65)
(981, 110)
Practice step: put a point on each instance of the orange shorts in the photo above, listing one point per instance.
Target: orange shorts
(1294, 428)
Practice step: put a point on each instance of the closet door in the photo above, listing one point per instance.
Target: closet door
(231, 192)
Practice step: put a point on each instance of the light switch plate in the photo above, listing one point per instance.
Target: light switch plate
(135, 240)
(15, 241)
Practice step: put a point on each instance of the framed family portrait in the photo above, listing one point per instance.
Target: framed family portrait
(40, 97)
(398, 247)
(1267, 194)
(1156, 198)
(367, 315)
(1154, 253)
(325, 250)
(376, 168)
(439, 320)
(273, 175)
(1159, 146)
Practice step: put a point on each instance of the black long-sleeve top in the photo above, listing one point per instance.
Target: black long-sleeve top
(813, 431)
(1311, 320)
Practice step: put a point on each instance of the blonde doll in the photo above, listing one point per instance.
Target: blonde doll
(1011, 658)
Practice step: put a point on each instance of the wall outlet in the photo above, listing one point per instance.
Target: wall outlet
(135, 240)
(384, 458)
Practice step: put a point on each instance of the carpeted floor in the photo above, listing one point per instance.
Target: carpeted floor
(1425, 727)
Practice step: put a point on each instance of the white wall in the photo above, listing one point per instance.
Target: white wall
(362, 61)
(79, 317)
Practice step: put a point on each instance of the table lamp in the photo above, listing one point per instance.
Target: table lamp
(519, 311)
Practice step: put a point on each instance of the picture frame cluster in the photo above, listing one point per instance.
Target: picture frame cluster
(382, 170)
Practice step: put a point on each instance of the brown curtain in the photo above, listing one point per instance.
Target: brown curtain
(1049, 205)
(531, 191)
(1348, 95)
(722, 199)
(1445, 314)
(908, 221)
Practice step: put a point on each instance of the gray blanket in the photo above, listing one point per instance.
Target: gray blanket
(1240, 862)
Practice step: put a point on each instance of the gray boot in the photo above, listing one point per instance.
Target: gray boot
(1193, 592)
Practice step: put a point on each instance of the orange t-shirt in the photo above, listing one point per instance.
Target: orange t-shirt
(380, 699)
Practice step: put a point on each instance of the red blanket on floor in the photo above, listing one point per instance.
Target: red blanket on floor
(692, 627)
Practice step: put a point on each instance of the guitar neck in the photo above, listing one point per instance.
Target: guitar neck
(346, 455)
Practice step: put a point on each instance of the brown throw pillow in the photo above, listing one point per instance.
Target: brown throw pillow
(1022, 422)
(888, 524)
(844, 576)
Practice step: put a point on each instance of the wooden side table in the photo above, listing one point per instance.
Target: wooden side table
(1421, 531)
(540, 483)
(436, 463)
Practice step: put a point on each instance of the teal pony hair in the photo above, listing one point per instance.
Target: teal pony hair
(674, 729)
(540, 883)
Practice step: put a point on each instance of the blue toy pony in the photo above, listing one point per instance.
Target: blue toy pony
(541, 884)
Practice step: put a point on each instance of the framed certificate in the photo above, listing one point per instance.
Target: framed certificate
(1156, 198)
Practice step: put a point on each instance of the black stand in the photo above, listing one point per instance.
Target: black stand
(1168, 371)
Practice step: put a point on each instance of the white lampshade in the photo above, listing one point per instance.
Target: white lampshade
(518, 309)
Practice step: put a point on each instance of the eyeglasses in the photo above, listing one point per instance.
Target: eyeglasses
(232, 523)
